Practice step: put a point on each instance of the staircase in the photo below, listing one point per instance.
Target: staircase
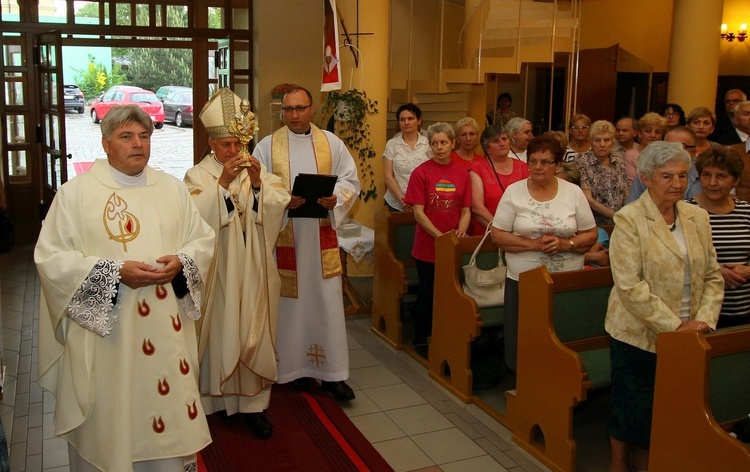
(498, 38)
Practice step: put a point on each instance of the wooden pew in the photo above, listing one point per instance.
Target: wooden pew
(394, 273)
(456, 320)
(702, 388)
(563, 352)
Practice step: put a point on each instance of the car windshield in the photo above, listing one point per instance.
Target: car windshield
(188, 98)
(144, 97)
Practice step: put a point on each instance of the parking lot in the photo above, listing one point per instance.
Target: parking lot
(171, 147)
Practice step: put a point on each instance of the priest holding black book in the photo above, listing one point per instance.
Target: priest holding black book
(311, 341)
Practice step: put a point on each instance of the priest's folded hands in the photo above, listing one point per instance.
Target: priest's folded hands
(137, 274)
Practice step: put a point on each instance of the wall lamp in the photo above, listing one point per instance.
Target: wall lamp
(729, 37)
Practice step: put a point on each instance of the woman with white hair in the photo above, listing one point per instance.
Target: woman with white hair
(603, 178)
(520, 134)
(666, 278)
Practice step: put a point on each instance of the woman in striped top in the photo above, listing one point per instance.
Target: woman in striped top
(719, 170)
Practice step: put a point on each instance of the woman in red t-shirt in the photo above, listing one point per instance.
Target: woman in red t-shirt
(491, 176)
(439, 193)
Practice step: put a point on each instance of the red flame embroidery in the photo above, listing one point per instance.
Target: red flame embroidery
(161, 292)
(192, 411)
(158, 425)
(184, 367)
(176, 322)
(163, 387)
(148, 348)
(143, 308)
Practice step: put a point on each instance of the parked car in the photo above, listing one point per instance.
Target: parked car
(178, 107)
(73, 97)
(162, 93)
(124, 95)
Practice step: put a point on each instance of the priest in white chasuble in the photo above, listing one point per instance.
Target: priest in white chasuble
(122, 257)
(312, 332)
(245, 205)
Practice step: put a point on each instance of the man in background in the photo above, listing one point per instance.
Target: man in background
(726, 131)
(626, 129)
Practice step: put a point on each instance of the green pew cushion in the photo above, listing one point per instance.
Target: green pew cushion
(579, 314)
(492, 316)
(404, 235)
(729, 386)
(596, 364)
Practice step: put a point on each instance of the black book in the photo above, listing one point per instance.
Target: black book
(311, 187)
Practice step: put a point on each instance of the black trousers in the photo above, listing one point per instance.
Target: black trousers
(423, 304)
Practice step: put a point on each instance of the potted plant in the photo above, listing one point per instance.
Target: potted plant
(349, 110)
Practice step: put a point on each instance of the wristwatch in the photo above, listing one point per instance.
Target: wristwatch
(572, 245)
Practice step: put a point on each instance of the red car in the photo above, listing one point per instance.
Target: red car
(125, 95)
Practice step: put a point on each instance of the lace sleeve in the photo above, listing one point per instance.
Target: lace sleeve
(92, 306)
(191, 303)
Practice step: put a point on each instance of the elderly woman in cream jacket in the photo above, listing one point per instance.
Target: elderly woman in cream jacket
(666, 278)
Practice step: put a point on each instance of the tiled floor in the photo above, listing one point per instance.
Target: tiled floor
(411, 421)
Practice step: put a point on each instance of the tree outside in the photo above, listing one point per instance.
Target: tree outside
(149, 68)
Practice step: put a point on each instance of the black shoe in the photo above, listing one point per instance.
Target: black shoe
(301, 384)
(340, 390)
(259, 424)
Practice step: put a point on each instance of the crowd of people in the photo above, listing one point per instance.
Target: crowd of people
(180, 299)
(672, 190)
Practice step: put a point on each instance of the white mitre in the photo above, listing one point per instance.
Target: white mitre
(218, 112)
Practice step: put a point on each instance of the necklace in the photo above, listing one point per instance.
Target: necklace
(500, 169)
(673, 226)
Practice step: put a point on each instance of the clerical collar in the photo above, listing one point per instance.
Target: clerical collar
(128, 181)
(306, 133)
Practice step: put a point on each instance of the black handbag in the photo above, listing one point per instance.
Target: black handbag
(6, 232)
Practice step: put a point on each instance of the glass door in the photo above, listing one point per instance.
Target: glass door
(19, 167)
(51, 126)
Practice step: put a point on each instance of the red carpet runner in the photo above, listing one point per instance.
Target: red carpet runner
(310, 432)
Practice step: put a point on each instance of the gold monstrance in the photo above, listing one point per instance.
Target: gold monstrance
(244, 126)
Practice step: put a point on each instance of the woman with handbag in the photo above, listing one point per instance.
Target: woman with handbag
(541, 220)
(440, 197)
(491, 176)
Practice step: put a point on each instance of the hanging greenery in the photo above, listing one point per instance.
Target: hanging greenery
(349, 111)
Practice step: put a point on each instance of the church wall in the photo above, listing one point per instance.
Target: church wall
(734, 57)
(642, 27)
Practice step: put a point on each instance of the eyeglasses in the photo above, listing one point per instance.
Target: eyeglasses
(544, 163)
(732, 100)
(579, 127)
(298, 108)
(687, 146)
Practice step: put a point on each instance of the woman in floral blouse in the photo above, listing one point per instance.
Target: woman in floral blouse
(603, 178)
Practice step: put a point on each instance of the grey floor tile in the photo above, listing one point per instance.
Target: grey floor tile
(403, 455)
(483, 463)
(448, 445)
(377, 427)
(55, 453)
(34, 441)
(18, 457)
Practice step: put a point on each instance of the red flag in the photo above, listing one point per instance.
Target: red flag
(331, 69)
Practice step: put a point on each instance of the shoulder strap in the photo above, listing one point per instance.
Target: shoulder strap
(479, 246)
(492, 168)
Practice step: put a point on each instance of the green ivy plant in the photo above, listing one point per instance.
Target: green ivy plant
(349, 110)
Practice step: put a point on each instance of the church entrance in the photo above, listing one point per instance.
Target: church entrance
(34, 145)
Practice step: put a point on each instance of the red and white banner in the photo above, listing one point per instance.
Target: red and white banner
(331, 69)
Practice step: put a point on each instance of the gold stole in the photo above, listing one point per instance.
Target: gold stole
(286, 258)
